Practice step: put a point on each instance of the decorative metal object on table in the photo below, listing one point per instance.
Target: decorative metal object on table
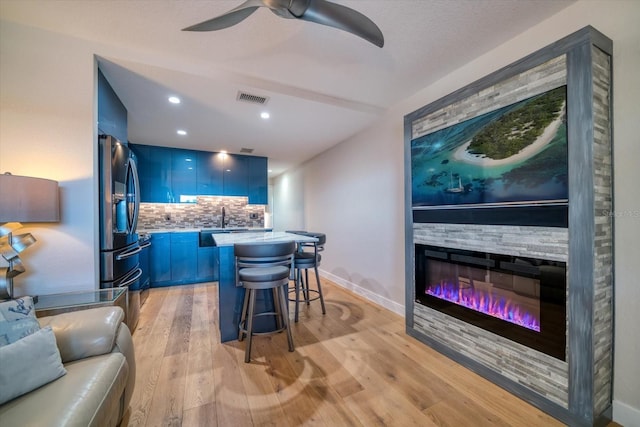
(23, 199)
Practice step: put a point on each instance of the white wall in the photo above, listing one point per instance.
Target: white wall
(46, 131)
(288, 202)
(354, 192)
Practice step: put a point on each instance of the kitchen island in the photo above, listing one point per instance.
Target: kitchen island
(230, 296)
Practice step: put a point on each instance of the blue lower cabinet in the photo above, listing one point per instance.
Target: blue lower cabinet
(207, 264)
(159, 252)
(176, 259)
(184, 257)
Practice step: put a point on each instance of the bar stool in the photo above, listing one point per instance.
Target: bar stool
(264, 266)
(307, 256)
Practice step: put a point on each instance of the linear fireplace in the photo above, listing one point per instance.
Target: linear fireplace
(520, 293)
(519, 298)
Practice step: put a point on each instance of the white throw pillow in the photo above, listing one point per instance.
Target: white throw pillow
(17, 320)
(29, 363)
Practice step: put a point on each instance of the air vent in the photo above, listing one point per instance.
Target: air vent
(246, 150)
(254, 99)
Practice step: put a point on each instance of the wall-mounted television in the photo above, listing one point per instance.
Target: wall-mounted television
(512, 156)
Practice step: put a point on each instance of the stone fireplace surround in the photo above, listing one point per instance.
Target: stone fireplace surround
(577, 391)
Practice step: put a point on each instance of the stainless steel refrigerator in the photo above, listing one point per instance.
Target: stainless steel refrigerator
(119, 208)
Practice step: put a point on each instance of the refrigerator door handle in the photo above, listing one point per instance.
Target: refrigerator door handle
(128, 253)
(132, 174)
(136, 275)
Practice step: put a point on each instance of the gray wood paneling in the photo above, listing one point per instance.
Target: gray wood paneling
(581, 231)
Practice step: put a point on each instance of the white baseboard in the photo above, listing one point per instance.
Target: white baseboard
(626, 415)
(365, 293)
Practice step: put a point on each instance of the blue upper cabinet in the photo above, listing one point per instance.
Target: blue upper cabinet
(155, 173)
(258, 180)
(168, 175)
(112, 115)
(236, 178)
(210, 167)
(183, 175)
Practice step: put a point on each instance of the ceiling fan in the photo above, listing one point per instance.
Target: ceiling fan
(319, 11)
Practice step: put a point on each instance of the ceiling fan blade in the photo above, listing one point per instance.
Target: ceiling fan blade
(229, 18)
(341, 17)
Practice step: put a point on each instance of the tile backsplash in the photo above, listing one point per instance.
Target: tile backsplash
(206, 213)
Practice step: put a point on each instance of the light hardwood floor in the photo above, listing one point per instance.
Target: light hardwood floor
(354, 366)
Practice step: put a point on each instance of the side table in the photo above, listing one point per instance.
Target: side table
(49, 305)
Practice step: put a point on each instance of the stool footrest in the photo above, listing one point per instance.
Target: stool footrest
(243, 330)
(293, 291)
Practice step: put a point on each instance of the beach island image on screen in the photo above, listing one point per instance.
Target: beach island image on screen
(514, 155)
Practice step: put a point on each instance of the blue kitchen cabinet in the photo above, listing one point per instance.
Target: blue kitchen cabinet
(184, 257)
(207, 264)
(112, 114)
(154, 171)
(176, 259)
(235, 177)
(172, 175)
(159, 268)
(210, 168)
(183, 175)
(257, 179)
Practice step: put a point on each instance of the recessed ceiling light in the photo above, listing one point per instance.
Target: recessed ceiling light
(181, 132)
(174, 100)
(264, 115)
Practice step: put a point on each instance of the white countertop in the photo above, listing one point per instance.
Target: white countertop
(229, 239)
(197, 230)
(167, 230)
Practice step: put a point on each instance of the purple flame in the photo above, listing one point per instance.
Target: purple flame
(487, 303)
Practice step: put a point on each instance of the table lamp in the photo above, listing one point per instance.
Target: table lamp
(22, 199)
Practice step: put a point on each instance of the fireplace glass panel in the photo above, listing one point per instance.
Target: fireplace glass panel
(523, 299)
(512, 298)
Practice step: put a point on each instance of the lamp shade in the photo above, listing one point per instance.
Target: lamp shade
(26, 199)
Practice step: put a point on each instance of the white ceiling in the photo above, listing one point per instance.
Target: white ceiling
(324, 85)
